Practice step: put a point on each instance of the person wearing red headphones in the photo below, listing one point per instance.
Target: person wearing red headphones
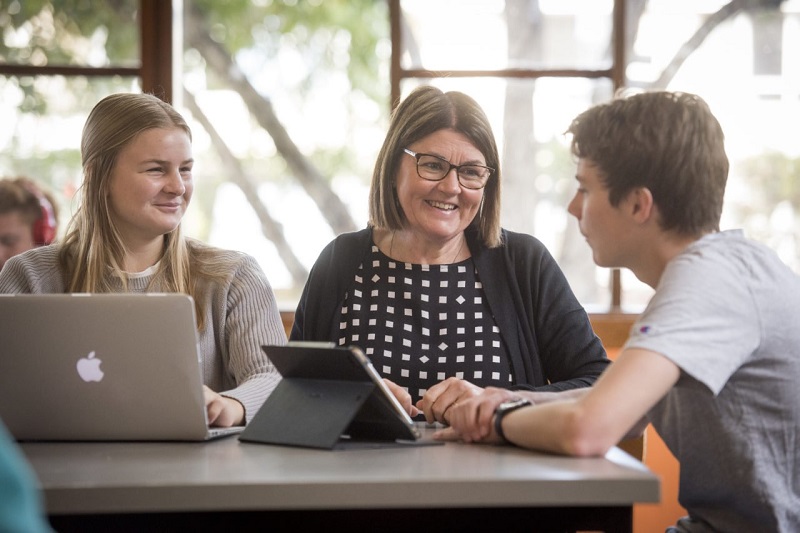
(28, 217)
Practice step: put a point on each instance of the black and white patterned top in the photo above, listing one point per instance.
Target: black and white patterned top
(420, 324)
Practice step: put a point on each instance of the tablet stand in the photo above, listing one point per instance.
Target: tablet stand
(307, 412)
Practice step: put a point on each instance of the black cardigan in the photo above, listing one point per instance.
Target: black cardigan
(546, 331)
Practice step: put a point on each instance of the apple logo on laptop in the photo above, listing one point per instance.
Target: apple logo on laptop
(89, 368)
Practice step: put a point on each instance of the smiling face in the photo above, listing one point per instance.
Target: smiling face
(438, 211)
(151, 185)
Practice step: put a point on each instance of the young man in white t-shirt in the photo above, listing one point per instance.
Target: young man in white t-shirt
(713, 362)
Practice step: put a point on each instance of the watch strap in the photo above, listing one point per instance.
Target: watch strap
(503, 409)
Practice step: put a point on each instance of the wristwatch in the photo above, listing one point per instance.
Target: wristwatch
(503, 409)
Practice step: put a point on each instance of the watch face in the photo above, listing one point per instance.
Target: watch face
(512, 404)
(503, 409)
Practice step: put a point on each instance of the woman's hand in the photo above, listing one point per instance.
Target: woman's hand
(473, 419)
(444, 395)
(403, 397)
(222, 411)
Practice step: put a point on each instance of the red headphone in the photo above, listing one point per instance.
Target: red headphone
(44, 229)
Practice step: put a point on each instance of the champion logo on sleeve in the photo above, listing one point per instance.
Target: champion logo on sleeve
(645, 329)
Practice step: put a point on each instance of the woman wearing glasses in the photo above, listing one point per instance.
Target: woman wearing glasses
(442, 299)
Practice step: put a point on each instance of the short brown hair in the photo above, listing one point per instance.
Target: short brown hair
(35, 204)
(668, 142)
(16, 197)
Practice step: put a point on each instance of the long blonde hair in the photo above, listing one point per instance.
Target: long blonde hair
(93, 251)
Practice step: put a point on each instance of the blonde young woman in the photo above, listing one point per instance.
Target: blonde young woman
(126, 237)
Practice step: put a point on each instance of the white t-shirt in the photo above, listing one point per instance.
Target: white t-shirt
(727, 312)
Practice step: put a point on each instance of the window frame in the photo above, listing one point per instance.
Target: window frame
(155, 69)
(616, 74)
(157, 75)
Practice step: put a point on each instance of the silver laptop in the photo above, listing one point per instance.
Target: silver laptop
(102, 367)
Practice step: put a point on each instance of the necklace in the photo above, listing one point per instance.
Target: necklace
(458, 252)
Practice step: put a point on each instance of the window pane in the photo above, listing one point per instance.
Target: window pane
(754, 91)
(89, 34)
(529, 118)
(497, 34)
(44, 117)
(280, 146)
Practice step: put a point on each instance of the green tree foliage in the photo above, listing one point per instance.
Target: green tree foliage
(67, 33)
(775, 177)
(59, 31)
(334, 34)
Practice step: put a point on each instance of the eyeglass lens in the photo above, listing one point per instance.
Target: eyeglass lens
(432, 168)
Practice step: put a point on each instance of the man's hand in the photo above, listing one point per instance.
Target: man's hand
(222, 411)
(472, 420)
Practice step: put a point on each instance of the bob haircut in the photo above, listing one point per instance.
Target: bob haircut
(667, 142)
(427, 110)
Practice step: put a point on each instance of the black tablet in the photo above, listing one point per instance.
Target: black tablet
(330, 396)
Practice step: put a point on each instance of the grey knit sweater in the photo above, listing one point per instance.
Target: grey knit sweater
(240, 317)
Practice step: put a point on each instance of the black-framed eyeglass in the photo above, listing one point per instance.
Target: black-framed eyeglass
(434, 168)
